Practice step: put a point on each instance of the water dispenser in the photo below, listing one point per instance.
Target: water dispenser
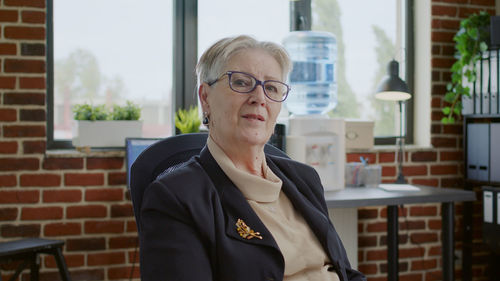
(313, 137)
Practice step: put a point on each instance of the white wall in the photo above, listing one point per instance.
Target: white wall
(422, 95)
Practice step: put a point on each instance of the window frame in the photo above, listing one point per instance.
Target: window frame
(185, 58)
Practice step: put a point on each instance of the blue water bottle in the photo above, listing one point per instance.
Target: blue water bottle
(313, 79)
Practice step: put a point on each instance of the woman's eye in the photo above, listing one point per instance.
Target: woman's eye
(241, 83)
(271, 89)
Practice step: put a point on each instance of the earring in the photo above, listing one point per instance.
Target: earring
(205, 118)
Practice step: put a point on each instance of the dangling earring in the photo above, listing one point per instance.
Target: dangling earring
(205, 119)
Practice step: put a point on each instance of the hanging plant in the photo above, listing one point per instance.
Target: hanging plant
(470, 43)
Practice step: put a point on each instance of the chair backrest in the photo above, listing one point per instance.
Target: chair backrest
(164, 154)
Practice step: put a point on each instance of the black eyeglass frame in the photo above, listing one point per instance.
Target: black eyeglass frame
(257, 82)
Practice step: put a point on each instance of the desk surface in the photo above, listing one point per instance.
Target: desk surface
(354, 197)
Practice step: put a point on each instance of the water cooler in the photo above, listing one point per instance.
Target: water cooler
(313, 137)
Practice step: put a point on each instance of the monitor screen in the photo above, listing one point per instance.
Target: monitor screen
(133, 148)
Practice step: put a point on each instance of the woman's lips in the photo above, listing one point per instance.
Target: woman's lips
(254, 116)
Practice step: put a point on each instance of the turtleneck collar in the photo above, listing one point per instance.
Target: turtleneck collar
(253, 187)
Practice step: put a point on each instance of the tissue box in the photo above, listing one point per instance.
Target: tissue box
(359, 134)
(359, 174)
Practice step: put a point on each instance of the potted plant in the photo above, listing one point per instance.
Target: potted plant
(471, 40)
(96, 126)
(187, 121)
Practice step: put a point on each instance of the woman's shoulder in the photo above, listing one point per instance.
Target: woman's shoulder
(182, 180)
(180, 171)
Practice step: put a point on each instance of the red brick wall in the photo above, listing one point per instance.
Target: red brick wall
(82, 199)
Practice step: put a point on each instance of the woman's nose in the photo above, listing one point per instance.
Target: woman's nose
(258, 95)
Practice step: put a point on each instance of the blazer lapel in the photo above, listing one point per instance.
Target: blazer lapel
(235, 205)
(317, 221)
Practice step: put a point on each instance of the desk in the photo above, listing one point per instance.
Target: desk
(364, 197)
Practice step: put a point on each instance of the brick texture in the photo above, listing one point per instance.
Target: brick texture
(33, 17)
(25, 3)
(87, 211)
(8, 214)
(23, 65)
(24, 131)
(62, 163)
(20, 230)
(62, 229)
(85, 179)
(8, 147)
(19, 32)
(24, 98)
(8, 49)
(41, 213)
(32, 83)
(8, 180)
(56, 195)
(40, 180)
(34, 147)
(7, 82)
(17, 197)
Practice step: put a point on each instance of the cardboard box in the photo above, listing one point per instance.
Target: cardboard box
(359, 134)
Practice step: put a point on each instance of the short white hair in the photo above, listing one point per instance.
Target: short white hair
(213, 60)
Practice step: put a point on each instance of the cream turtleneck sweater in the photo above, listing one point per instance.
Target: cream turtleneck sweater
(304, 256)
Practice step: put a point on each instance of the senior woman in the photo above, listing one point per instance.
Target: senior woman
(233, 212)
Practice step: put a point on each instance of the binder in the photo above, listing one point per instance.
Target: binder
(478, 151)
(477, 100)
(488, 206)
(483, 152)
(468, 101)
(494, 152)
(491, 218)
(467, 105)
(498, 209)
(494, 82)
(485, 83)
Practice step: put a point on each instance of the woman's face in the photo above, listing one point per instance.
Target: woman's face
(238, 119)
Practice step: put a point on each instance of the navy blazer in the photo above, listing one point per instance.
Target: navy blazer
(188, 225)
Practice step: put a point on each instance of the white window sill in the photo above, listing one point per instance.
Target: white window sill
(94, 152)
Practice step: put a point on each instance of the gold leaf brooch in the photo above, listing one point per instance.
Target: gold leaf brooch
(245, 231)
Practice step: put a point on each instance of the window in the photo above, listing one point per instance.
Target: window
(222, 18)
(136, 49)
(369, 34)
(367, 39)
(107, 52)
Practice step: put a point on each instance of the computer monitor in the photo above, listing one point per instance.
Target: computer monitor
(133, 148)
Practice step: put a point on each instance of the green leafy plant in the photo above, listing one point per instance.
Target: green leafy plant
(470, 43)
(89, 112)
(130, 111)
(187, 121)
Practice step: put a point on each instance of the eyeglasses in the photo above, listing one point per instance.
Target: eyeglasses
(244, 83)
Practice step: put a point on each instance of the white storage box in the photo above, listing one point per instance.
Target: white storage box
(359, 134)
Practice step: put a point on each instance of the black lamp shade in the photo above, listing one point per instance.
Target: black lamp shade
(392, 88)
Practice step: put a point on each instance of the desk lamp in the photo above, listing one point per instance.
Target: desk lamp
(392, 88)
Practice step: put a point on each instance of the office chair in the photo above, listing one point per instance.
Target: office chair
(165, 154)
